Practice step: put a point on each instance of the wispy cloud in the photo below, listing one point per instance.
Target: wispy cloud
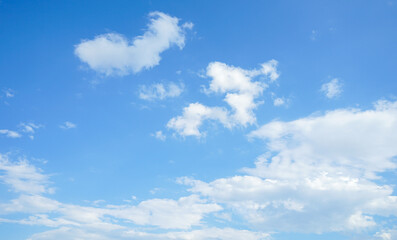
(9, 93)
(159, 135)
(10, 133)
(160, 91)
(30, 128)
(67, 125)
(332, 89)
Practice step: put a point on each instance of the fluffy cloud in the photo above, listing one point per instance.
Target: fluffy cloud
(240, 92)
(278, 102)
(363, 141)
(239, 87)
(160, 91)
(193, 116)
(332, 89)
(114, 54)
(319, 174)
(323, 203)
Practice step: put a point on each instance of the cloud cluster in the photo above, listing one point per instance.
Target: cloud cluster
(319, 174)
(108, 222)
(28, 128)
(114, 54)
(240, 91)
(304, 183)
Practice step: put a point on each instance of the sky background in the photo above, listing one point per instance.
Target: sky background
(198, 119)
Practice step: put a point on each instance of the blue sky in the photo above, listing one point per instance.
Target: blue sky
(198, 120)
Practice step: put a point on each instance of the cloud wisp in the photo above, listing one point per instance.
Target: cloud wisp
(332, 89)
(160, 91)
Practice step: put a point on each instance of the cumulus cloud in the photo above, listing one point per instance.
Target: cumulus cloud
(332, 89)
(114, 54)
(239, 87)
(364, 140)
(160, 91)
(193, 116)
(68, 125)
(319, 174)
(240, 92)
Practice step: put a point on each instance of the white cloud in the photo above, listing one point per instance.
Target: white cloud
(390, 234)
(188, 25)
(10, 134)
(29, 127)
(318, 175)
(67, 233)
(240, 94)
(202, 234)
(312, 204)
(167, 213)
(332, 89)
(363, 140)
(160, 91)
(114, 54)
(68, 125)
(31, 184)
(23, 177)
(239, 87)
(30, 204)
(193, 116)
(278, 102)
(159, 135)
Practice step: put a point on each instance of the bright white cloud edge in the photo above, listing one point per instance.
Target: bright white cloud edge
(114, 54)
(240, 91)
